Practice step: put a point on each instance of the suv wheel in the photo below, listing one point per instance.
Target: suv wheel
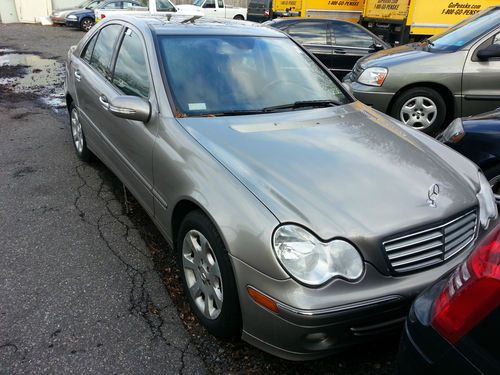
(421, 108)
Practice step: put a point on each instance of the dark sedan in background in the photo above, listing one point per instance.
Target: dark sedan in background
(453, 326)
(478, 138)
(58, 16)
(337, 44)
(84, 19)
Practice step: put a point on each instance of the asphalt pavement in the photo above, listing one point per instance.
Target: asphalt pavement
(87, 286)
(79, 292)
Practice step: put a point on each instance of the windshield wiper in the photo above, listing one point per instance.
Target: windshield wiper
(303, 104)
(234, 112)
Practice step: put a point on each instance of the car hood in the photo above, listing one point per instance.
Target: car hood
(66, 10)
(82, 12)
(395, 56)
(348, 171)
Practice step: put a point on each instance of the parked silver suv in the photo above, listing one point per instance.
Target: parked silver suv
(426, 84)
(303, 220)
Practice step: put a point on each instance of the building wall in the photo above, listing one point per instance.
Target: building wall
(61, 4)
(8, 12)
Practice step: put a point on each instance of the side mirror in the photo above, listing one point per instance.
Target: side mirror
(130, 107)
(376, 47)
(492, 51)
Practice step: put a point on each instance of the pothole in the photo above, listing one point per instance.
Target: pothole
(25, 76)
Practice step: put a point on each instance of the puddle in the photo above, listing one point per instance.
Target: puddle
(26, 76)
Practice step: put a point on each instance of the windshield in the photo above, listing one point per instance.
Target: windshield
(215, 75)
(465, 32)
(198, 3)
(93, 4)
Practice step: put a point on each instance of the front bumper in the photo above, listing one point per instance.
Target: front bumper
(72, 23)
(315, 322)
(58, 20)
(373, 96)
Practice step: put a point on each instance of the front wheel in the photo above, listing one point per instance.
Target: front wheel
(207, 276)
(421, 108)
(493, 176)
(239, 17)
(86, 24)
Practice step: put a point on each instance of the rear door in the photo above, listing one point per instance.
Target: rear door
(350, 43)
(316, 37)
(481, 79)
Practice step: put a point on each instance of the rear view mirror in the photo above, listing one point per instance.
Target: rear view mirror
(376, 47)
(130, 107)
(490, 52)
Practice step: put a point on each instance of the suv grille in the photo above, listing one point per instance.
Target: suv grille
(431, 246)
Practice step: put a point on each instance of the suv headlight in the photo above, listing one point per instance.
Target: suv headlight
(373, 76)
(453, 133)
(487, 205)
(312, 261)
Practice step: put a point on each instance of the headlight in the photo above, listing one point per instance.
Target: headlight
(373, 76)
(71, 17)
(453, 133)
(487, 205)
(313, 262)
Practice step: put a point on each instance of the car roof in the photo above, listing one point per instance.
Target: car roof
(197, 25)
(286, 20)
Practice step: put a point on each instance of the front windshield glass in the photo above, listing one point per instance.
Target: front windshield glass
(216, 75)
(198, 3)
(465, 32)
(93, 4)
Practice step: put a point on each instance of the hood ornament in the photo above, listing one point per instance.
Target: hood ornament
(433, 195)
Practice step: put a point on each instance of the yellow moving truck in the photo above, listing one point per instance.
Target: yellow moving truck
(402, 21)
(350, 10)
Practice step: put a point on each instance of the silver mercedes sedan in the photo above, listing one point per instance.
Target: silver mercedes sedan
(304, 221)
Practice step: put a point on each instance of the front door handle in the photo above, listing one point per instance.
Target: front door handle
(78, 76)
(339, 51)
(104, 102)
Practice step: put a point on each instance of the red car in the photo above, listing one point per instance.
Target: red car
(454, 326)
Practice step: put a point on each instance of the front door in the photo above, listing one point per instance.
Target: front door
(210, 9)
(481, 79)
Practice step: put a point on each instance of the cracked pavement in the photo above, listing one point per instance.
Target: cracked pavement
(79, 292)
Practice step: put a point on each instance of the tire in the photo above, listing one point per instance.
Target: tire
(79, 140)
(207, 273)
(493, 176)
(239, 17)
(86, 24)
(421, 108)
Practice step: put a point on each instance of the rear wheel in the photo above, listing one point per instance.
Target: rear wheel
(79, 140)
(207, 276)
(421, 108)
(86, 24)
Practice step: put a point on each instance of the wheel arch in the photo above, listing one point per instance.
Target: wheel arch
(443, 90)
(69, 100)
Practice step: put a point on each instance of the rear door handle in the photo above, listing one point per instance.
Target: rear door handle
(104, 102)
(78, 76)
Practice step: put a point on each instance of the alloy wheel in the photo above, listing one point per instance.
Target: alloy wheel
(202, 274)
(87, 24)
(76, 130)
(419, 112)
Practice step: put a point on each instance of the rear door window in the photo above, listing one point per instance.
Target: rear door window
(114, 5)
(347, 35)
(89, 48)
(103, 50)
(131, 72)
(310, 32)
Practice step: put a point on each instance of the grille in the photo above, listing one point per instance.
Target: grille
(432, 246)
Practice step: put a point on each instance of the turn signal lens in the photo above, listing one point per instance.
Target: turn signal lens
(262, 299)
